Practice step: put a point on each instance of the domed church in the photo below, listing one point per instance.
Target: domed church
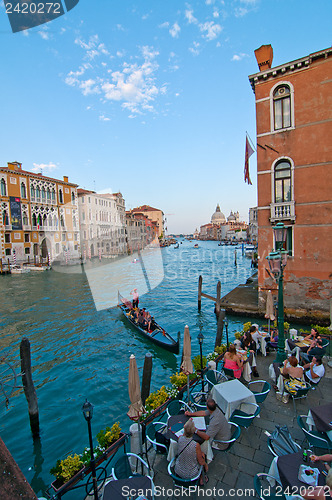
(218, 217)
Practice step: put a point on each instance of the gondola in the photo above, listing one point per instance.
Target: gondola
(157, 335)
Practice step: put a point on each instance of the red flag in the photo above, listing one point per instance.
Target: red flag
(249, 152)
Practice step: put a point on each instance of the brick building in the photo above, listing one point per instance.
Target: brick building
(294, 176)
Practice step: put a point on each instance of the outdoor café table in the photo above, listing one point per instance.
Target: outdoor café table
(322, 417)
(140, 485)
(286, 468)
(229, 396)
(302, 344)
(174, 424)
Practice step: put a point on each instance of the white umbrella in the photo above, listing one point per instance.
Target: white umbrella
(269, 314)
(136, 407)
(187, 366)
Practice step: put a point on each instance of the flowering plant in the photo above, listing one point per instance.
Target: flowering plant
(67, 468)
(178, 379)
(156, 399)
(197, 362)
(108, 436)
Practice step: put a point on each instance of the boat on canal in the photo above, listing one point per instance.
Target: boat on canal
(156, 334)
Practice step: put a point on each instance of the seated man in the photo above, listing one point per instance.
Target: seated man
(315, 349)
(314, 371)
(218, 427)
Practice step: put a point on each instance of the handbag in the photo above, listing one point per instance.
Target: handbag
(162, 439)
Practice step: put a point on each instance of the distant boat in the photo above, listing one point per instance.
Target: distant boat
(157, 334)
(177, 246)
(196, 245)
(15, 269)
(249, 250)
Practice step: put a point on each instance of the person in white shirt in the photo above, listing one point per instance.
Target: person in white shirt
(314, 371)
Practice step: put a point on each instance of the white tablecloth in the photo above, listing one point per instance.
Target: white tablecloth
(229, 395)
(246, 366)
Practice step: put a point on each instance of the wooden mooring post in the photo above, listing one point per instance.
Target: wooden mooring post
(201, 294)
(220, 327)
(29, 388)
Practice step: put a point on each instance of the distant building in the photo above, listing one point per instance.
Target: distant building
(154, 214)
(294, 176)
(39, 216)
(102, 224)
(219, 227)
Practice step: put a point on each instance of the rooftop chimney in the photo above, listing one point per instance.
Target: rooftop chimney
(65, 178)
(264, 57)
(14, 165)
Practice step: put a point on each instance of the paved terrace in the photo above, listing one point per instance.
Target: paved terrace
(247, 459)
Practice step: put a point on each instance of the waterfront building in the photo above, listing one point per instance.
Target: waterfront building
(196, 234)
(218, 217)
(141, 230)
(253, 225)
(294, 176)
(155, 214)
(102, 223)
(219, 227)
(39, 216)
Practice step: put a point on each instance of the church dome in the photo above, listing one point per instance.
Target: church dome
(218, 217)
(231, 217)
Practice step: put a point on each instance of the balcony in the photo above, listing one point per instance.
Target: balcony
(26, 227)
(283, 211)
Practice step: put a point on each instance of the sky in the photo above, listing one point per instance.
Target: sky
(149, 98)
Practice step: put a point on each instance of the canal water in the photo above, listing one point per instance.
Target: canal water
(81, 350)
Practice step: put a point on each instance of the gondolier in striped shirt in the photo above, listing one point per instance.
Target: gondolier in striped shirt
(135, 298)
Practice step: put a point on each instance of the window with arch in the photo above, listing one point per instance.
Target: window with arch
(73, 196)
(37, 193)
(33, 192)
(34, 220)
(39, 220)
(25, 219)
(60, 196)
(43, 194)
(282, 182)
(53, 195)
(23, 190)
(5, 218)
(282, 107)
(3, 187)
(48, 195)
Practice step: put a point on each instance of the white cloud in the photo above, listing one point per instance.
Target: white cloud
(120, 27)
(103, 118)
(164, 25)
(195, 49)
(210, 30)
(215, 13)
(189, 14)
(239, 57)
(89, 87)
(175, 30)
(241, 11)
(93, 47)
(41, 167)
(44, 34)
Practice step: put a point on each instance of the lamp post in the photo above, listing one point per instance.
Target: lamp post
(200, 338)
(226, 328)
(87, 409)
(277, 262)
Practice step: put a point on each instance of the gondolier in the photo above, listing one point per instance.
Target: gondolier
(135, 297)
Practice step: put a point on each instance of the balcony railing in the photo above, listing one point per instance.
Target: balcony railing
(282, 211)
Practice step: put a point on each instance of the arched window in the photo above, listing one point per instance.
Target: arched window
(73, 197)
(39, 220)
(23, 190)
(34, 220)
(60, 196)
(282, 182)
(3, 187)
(33, 192)
(25, 219)
(48, 195)
(43, 194)
(37, 193)
(282, 107)
(62, 222)
(53, 195)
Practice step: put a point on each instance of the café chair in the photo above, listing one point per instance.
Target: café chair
(214, 377)
(264, 488)
(123, 468)
(182, 482)
(152, 438)
(315, 438)
(235, 434)
(260, 395)
(243, 418)
(198, 399)
(229, 373)
(301, 393)
(176, 407)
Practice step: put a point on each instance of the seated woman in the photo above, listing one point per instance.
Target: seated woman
(273, 342)
(233, 361)
(190, 456)
(314, 337)
(295, 375)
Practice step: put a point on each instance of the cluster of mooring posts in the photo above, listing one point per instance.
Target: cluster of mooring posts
(220, 313)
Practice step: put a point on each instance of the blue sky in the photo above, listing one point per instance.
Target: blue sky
(151, 98)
